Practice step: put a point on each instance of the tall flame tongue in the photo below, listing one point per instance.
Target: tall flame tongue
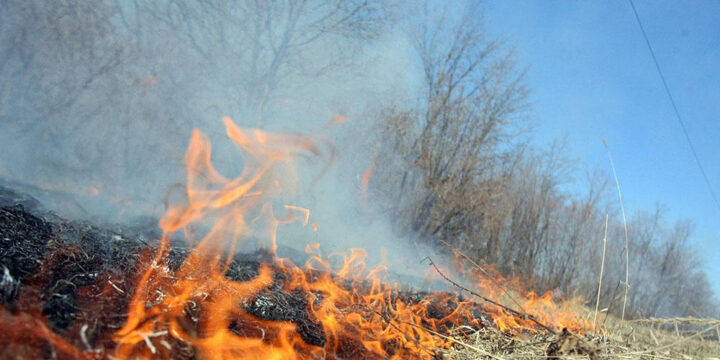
(197, 306)
(238, 208)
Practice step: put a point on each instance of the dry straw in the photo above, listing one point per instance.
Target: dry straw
(602, 268)
(627, 242)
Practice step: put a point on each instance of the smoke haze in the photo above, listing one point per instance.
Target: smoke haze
(99, 100)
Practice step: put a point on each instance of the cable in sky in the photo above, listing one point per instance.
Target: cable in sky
(672, 101)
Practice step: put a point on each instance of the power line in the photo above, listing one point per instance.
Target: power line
(674, 106)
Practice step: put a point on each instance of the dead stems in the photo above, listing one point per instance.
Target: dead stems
(627, 242)
(602, 267)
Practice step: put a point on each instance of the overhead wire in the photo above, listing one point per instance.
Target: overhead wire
(674, 106)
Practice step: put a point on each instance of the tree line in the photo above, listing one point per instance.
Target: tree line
(112, 88)
(458, 169)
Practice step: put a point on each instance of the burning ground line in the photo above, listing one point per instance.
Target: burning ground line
(422, 328)
(522, 315)
(389, 321)
(205, 310)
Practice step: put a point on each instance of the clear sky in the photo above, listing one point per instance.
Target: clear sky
(592, 77)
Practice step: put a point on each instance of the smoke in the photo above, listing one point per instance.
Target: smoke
(98, 101)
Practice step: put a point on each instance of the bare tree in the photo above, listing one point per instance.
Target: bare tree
(472, 94)
(453, 168)
(262, 44)
(50, 54)
(112, 88)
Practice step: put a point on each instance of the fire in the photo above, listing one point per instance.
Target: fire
(339, 119)
(544, 309)
(365, 182)
(349, 310)
(357, 313)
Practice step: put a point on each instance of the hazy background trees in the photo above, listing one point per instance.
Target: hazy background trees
(98, 97)
(456, 167)
(102, 95)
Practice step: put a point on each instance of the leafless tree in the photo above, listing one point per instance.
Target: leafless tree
(450, 142)
(453, 168)
(112, 88)
(261, 44)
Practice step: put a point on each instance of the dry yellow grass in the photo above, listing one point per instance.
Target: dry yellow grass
(614, 338)
(640, 339)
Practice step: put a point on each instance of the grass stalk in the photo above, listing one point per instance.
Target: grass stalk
(602, 268)
(627, 242)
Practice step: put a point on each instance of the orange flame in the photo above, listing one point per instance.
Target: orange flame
(365, 182)
(489, 282)
(197, 305)
(339, 119)
(357, 313)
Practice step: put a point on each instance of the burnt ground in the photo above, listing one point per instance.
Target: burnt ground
(78, 278)
(61, 271)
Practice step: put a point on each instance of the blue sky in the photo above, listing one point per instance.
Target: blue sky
(592, 77)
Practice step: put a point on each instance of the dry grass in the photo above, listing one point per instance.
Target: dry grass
(616, 340)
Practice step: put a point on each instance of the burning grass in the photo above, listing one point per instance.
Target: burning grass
(66, 294)
(71, 290)
(74, 299)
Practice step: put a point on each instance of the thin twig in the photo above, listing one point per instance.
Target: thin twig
(511, 310)
(490, 276)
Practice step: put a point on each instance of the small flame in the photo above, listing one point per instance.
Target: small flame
(365, 182)
(489, 282)
(305, 212)
(339, 119)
